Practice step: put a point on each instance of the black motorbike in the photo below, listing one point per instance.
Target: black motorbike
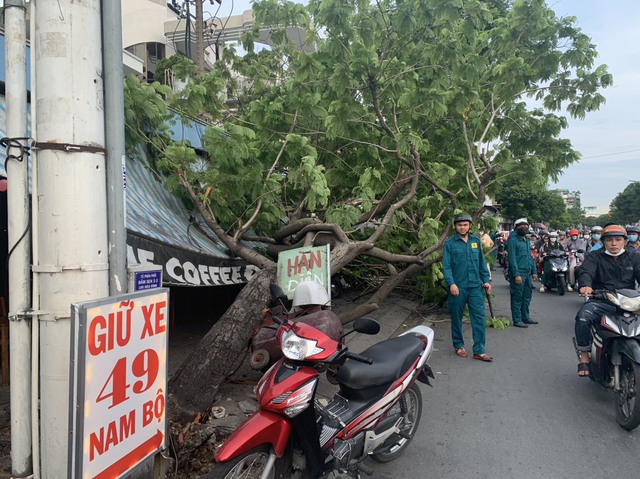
(615, 353)
(556, 267)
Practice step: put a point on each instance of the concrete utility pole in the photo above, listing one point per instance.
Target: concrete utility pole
(72, 264)
(19, 238)
(199, 36)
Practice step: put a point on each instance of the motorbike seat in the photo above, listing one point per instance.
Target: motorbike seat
(391, 359)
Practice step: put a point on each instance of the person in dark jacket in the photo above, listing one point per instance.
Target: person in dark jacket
(465, 271)
(522, 270)
(611, 267)
(633, 234)
(544, 251)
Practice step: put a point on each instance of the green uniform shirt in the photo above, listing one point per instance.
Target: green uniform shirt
(463, 263)
(519, 252)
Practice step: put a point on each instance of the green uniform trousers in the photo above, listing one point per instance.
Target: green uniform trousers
(520, 299)
(474, 297)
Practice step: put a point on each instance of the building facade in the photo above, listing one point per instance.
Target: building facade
(571, 199)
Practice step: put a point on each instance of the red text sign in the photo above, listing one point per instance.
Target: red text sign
(119, 377)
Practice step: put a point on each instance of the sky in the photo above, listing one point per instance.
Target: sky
(608, 139)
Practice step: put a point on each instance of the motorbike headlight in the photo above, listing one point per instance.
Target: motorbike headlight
(297, 348)
(626, 303)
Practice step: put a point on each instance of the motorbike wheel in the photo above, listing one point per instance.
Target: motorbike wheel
(627, 401)
(410, 407)
(259, 359)
(562, 287)
(250, 465)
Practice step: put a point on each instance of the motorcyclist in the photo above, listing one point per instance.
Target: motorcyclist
(554, 244)
(562, 237)
(633, 245)
(544, 240)
(595, 243)
(586, 235)
(610, 268)
(574, 242)
(576, 247)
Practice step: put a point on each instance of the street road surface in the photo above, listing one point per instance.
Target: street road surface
(526, 415)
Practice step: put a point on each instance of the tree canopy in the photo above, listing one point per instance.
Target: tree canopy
(625, 207)
(393, 114)
(371, 133)
(518, 199)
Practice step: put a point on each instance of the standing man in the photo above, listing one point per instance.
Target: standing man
(521, 271)
(465, 271)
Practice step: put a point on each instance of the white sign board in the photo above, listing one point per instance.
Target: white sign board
(304, 264)
(118, 383)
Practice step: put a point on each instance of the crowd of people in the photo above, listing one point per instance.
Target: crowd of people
(610, 260)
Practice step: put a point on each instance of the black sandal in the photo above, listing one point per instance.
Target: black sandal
(583, 367)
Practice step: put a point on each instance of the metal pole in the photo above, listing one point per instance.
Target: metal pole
(114, 126)
(72, 235)
(19, 238)
(35, 295)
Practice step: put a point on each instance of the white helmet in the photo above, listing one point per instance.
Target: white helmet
(310, 292)
(521, 221)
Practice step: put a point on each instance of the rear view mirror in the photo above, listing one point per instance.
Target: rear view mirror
(277, 292)
(366, 325)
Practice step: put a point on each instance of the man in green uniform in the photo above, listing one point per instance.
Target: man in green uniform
(522, 270)
(465, 271)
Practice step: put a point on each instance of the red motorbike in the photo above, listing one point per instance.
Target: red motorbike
(375, 413)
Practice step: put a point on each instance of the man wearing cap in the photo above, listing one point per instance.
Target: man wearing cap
(522, 273)
(467, 277)
(610, 267)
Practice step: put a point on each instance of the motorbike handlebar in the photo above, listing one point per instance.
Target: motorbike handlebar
(359, 358)
(600, 293)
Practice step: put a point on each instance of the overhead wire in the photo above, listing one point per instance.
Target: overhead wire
(610, 154)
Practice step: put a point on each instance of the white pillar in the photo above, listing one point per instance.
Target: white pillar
(19, 239)
(72, 234)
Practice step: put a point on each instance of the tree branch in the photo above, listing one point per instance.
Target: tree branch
(234, 246)
(241, 230)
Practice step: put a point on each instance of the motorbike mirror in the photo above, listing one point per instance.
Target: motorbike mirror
(363, 325)
(277, 292)
(366, 325)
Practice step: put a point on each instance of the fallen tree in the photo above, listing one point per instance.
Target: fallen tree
(369, 134)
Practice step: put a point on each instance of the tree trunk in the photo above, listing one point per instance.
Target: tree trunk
(193, 387)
